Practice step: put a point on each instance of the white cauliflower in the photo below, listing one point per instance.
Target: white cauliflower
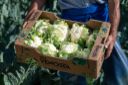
(69, 48)
(78, 32)
(34, 42)
(60, 32)
(48, 49)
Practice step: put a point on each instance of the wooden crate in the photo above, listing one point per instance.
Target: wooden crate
(90, 66)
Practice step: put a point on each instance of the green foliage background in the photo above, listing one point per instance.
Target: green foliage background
(12, 14)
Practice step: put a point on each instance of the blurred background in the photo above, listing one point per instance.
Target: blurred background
(12, 14)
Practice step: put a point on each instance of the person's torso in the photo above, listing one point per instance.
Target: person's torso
(67, 4)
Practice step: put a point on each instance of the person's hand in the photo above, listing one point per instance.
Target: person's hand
(109, 46)
(30, 13)
(28, 16)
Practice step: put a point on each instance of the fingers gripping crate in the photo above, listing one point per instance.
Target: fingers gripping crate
(90, 66)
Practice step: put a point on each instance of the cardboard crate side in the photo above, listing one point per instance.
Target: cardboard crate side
(24, 53)
(62, 65)
(105, 29)
(19, 50)
(100, 40)
(98, 62)
(97, 53)
(96, 49)
(96, 56)
(92, 72)
(65, 67)
(93, 24)
(48, 15)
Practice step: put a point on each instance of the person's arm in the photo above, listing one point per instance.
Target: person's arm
(114, 14)
(35, 5)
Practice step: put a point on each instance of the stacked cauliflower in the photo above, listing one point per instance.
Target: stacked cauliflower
(60, 40)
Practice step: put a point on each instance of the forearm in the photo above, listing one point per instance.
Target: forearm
(35, 5)
(114, 14)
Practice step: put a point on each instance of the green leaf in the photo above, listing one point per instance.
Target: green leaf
(5, 10)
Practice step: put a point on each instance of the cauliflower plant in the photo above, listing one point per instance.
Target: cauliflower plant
(42, 26)
(90, 41)
(48, 49)
(67, 49)
(53, 40)
(78, 33)
(60, 31)
(34, 42)
(83, 53)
